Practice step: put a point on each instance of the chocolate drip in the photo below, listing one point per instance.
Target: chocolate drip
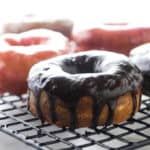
(95, 114)
(111, 106)
(73, 122)
(28, 105)
(51, 101)
(38, 106)
(140, 98)
(134, 102)
(97, 109)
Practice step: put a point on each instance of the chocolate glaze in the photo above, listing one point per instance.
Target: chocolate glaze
(146, 84)
(102, 75)
(140, 56)
(52, 106)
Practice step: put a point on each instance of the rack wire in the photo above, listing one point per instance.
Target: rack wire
(16, 121)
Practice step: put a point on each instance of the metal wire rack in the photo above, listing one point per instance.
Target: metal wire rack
(16, 121)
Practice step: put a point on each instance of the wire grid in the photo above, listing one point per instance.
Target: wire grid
(16, 121)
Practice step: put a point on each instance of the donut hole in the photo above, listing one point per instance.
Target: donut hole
(80, 65)
(26, 41)
(33, 41)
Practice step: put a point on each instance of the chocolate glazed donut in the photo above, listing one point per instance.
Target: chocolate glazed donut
(93, 83)
(141, 57)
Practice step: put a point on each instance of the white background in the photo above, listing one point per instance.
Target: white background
(79, 10)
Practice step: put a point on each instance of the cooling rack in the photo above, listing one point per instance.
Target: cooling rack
(16, 121)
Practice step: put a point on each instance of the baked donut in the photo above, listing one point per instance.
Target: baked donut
(31, 21)
(85, 89)
(113, 37)
(18, 52)
(141, 57)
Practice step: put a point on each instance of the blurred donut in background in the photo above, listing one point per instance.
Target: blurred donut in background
(18, 52)
(140, 56)
(31, 21)
(118, 37)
